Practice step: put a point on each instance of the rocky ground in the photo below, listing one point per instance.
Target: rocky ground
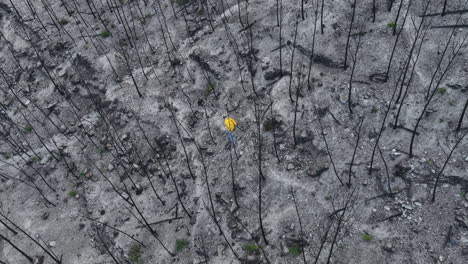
(113, 147)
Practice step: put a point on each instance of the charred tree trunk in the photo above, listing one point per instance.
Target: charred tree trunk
(462, 115)
(353, 6)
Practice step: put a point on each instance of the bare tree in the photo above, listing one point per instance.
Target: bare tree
(353, 6)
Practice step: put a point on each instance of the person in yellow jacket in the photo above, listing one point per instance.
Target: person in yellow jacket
(230, 125)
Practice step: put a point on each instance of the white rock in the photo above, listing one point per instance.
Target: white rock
(395, 153)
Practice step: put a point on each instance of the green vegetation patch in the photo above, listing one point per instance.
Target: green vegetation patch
(209, 88)
(294, 250)
(180, 244)
(105, 34)
(28, 129)
(250, 248)
(366, 237)
(442, 90)
(135, 255)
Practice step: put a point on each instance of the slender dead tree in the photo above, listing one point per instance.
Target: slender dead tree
(29, 258)
(389, 186)
(128, 198)
(408, 84)
(102, 238)
(444, 8)
(462, 115)
(233, 181)
(322, 26)
(48, 251)
(132, 237)
(239, 11)
(253, 237)
(340, 222)
(354, 152)
(300, 226)
(302, 9)
(354, 58)
(312, 52)
(439, 63)
(187, 159)
(298, 93)
(445, 164)
(374, 10)
(382, 126)
(397, 17)
(126, 59)
(457, 48)
(273, 126)
(292, 58)
(353, 6)
(387, 73)
(410, 55)
(280, 36)
(212, 207)
(389, 5)
(322, 132)
(261, 177)
(323, 239)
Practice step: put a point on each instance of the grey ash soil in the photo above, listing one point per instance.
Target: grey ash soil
(69, 112)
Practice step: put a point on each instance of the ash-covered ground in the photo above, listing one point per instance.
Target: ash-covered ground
(113, 147)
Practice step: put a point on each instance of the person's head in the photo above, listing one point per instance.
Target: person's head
(225, 116)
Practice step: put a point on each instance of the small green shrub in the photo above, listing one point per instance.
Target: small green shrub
(135, 255)
(72, 193)
(366, 237)
(63, 21)
(209, 88)
(105, 34)
(250, 248)
(28, 129)
(294, 250)
(374, 109)
(391, 25)
(180, 244)
(442, 90)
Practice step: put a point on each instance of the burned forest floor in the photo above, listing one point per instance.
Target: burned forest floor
(350, 144)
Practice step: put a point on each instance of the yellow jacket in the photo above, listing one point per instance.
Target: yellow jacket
(230, 124)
